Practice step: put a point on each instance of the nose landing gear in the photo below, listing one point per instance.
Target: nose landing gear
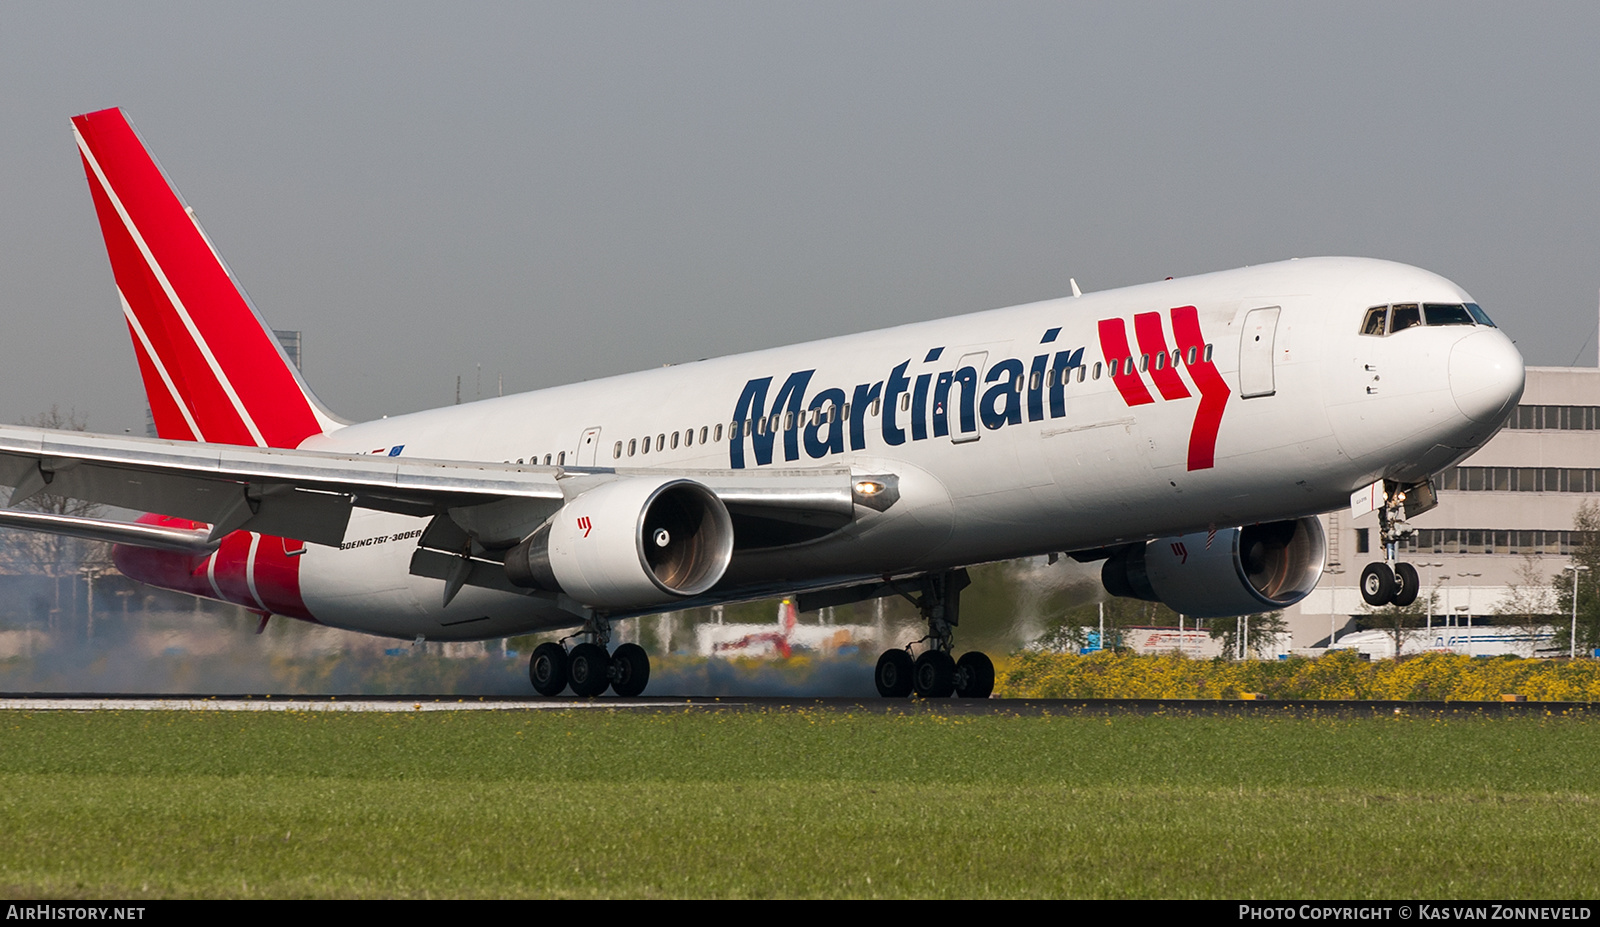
(1388, 582)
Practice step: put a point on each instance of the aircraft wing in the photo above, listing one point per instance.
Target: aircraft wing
(308, 495)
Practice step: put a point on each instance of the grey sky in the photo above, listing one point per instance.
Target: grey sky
(564, 191)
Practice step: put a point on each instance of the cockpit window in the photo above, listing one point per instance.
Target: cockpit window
(1404, 316)
(1376, 316)
(1446, 314)
(1387, 320)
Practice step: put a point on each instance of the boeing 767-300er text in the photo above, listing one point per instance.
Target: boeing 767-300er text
(1187, 432)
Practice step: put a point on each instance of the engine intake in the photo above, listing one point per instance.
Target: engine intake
(1240, 571)
(630, 543)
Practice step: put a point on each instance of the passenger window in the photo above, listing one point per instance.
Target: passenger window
(703, 431)
(1127, 367)
(877, 406)
(633, 445)
(1097, 370)
(1373, 324)
(1446, 314)
(561, 458)
(1144, 362)
(1193, 353)
(1404, 316)
(661, 442)
(905, 402)
(1161, 361)
(616, 452)
(1113, 367)
(674, 440)
(646, 449)
(688, 438)
(1208, 353)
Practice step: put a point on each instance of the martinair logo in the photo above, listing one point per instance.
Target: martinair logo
(584, 525)
(1163, 365)
(938, 401)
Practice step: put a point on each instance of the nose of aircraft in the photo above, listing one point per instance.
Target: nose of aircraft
(1486, 375)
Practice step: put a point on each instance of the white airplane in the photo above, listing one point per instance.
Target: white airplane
(1186, 431)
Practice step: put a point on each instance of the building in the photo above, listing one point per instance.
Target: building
(1503, 526)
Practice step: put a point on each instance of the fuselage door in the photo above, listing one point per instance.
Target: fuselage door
(966, 386)
(588, 447)
(1255, 353)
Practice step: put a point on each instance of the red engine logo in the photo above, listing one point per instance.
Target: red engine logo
(584, 524)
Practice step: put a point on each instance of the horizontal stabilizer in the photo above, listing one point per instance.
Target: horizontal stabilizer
(157, 537)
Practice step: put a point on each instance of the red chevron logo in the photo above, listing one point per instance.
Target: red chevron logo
(1163, 365)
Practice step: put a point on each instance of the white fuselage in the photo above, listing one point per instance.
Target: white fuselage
(1046, 466)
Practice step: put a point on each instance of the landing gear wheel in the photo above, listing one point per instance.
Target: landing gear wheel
(1406, 584)
(548, 669)
(893, 675)
(586, 670)
(934, 675)
(630, 670)
(1377, 584)
(974, 675)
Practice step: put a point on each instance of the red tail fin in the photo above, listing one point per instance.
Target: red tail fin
(212, 369)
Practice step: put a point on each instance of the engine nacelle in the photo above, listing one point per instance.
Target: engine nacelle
(630, 543)
(1241, 571)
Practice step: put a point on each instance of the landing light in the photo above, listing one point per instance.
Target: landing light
(876, 491)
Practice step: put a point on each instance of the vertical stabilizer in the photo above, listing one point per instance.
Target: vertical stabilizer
(212, 369)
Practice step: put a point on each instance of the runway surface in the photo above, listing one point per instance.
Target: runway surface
(1024, 707)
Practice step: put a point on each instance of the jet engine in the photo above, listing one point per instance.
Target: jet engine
(1237, 571)
(630, 543)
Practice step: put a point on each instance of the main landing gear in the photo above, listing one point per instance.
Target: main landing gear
(1387, 582)
(587, 668)
(935, 674)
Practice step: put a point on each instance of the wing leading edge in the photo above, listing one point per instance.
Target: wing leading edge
(309, 495)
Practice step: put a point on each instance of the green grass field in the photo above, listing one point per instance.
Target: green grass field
(794, 804)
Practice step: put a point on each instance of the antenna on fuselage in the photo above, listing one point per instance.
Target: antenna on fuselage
(1075, 290)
